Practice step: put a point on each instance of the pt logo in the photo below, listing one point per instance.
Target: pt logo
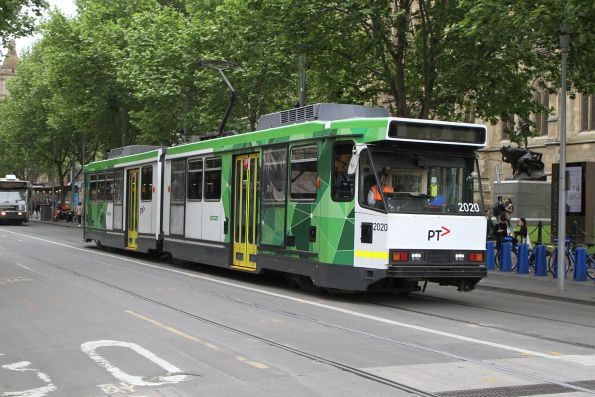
(435, 234)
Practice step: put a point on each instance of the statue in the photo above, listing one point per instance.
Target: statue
(525, 164)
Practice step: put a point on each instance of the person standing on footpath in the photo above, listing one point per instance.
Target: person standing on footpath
(509, 208)
(490, 225)
(78, 211)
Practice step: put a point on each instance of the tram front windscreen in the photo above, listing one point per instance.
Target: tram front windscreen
(421, 182)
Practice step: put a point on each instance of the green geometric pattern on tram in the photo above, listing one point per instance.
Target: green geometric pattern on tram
(299, 221)
(273, 225)
(226, 189)
(95, 215)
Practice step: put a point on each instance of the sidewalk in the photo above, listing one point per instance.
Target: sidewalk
(544, 287)
(58, 223)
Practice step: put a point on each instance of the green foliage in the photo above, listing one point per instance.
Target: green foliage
(133, 72)
(17, 18)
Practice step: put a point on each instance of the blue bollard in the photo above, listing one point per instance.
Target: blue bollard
(540, 260)
(490, 249)
(580, 264)
(506, 260)
(523, 259)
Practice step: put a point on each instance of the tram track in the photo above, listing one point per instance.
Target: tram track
(495, 327)
(581, 386)
(568, 387)
(484, 308)
(299, 352)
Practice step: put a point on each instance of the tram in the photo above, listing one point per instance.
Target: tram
(294, 196)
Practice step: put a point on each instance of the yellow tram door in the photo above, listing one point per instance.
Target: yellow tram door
(245, 211)
(132, 209)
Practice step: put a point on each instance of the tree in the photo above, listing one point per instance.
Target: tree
(17, 18)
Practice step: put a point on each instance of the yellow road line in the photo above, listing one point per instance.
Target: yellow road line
(242, 359)
(174, 331)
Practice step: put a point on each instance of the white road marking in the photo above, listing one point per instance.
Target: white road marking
(174, 374)
(312, 303)
(37, 392)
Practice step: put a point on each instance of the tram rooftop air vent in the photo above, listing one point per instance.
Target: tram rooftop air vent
(320, 112)
(132, 149)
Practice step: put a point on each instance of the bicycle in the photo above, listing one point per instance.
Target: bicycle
(552, 264)
(591, 266)
(513, 254)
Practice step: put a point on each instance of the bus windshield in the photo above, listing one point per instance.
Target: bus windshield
(12, 196)
(420, 182)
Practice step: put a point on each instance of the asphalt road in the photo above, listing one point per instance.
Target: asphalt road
(79, 321)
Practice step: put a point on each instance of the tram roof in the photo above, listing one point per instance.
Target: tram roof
(361, 129)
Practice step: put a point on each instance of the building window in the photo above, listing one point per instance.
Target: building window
(587, 113)
(506, 128)
(304, 172)
(540, 120)
(195, 179)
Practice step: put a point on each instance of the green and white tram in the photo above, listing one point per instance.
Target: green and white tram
(300, 195)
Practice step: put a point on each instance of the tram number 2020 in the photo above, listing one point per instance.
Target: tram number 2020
(381, 227)
(468, 207)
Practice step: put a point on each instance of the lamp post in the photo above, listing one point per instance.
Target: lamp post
(564, 43)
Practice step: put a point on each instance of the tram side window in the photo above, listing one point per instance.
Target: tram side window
(147, 183)
(304, 172)
(109, 186)
(213, 178)
(273, 193)
(195, 179)
(178, 181)
(118, 190)
(342, 183)
(100, 187)
(93, 187)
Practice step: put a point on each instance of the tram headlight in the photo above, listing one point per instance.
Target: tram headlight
(459, 257)
(3, 213)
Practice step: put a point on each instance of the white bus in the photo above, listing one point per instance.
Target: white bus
(14, 199)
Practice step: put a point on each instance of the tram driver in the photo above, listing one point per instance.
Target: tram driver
(374, 195)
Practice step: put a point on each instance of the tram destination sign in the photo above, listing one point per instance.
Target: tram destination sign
(424, 131)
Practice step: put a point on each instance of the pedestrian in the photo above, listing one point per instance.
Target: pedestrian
(498, 208)
(78, 210)
(522, 235)
(37, 209)
(490, 225)
(509, 208)
(501, 230)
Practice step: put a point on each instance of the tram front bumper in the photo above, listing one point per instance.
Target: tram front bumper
(431, 271)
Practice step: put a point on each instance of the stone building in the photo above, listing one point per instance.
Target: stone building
(8, 68)
(580, 139)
